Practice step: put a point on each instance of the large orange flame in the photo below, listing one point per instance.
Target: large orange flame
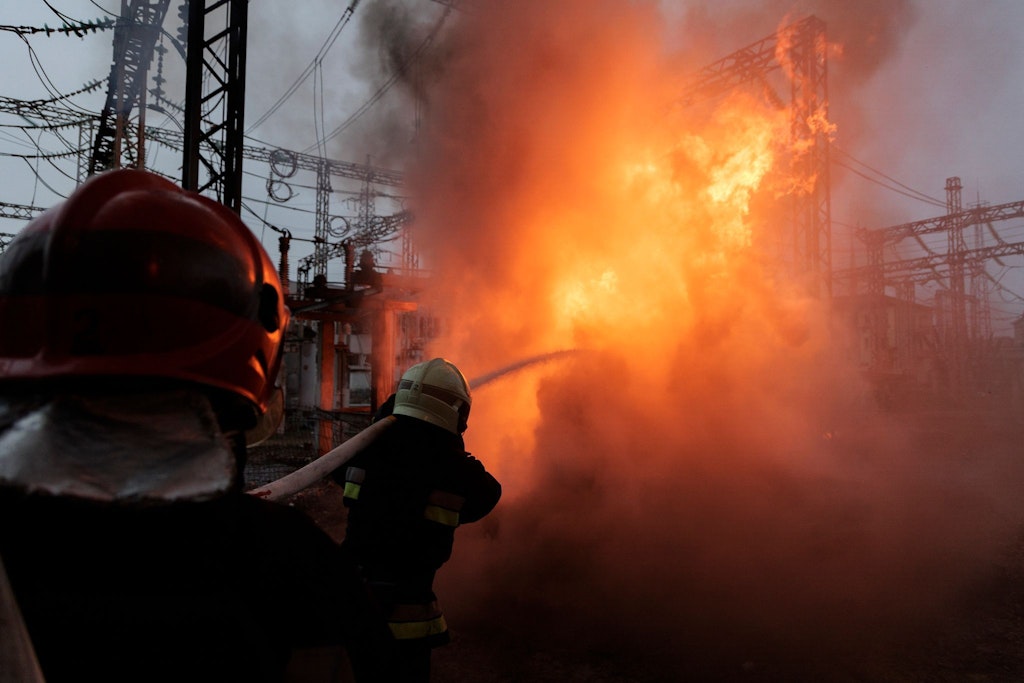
(672, 218)
(581, 213)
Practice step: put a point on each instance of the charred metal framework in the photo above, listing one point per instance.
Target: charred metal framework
(955, 258)
(213, 137)
(46, 114)
(23, 212)
(135, 36)
(360, 230)
(5, 239)
(212, 36)
(801, 50)
(213, 116)
(364, 229)
(934, 267)
(962, 314)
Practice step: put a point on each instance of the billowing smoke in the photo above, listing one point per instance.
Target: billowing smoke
(706, 484)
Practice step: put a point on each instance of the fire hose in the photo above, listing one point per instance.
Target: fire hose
(308, 475)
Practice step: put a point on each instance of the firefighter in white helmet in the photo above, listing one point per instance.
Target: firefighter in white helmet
(406, 493)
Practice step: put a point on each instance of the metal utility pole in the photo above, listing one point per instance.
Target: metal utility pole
(213, 139)
(802, 51)
(980, 324)
(812, 213)
(323, 219)
(955, 253)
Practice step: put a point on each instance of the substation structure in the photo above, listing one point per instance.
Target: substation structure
(945, 352)
(919, 354)
(350, 341)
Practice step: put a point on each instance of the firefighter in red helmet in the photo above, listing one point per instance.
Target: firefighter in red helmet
(406, 493)
(141, 329)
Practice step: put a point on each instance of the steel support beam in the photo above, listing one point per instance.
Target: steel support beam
(214, 117)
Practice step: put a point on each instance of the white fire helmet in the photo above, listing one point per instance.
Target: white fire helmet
(437, 392)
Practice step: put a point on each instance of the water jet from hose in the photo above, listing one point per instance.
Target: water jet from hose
(308, 475)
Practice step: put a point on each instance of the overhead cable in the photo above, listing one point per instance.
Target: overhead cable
(40, 180)
(308, 71)
(900, 188)
(402, 68)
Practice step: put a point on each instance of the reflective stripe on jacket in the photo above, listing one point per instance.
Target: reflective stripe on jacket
(416, 621)
(444, 507)
(354, 477)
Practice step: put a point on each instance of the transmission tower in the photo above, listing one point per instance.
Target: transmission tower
(135, 36)
(956, 261)
(284, 164)
(213, 138)
(961, 315)
(801, 50)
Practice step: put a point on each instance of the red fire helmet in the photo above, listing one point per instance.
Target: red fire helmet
(132, 276)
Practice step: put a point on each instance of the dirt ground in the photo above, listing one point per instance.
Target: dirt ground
(981, 640)
(978, 639)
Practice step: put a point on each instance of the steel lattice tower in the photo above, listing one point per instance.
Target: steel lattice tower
(801, 50)
(135, 36)
(214, 116)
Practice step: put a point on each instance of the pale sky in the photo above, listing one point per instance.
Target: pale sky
(946, 100)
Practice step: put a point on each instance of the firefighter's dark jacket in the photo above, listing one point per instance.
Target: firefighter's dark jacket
(190, 591)
(406, 494)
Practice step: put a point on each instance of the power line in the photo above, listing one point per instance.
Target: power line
(79, 29)
(887, 187)
(46, 81)
(86, 88)
(44, 155)
(402, 68)
(49, 159)
(40, 180)
(852, 158)
(900, 188)
(14, 140)
(63, 17)
(102, 8)
(304, 76)
(1003, 289)
(262, 220)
